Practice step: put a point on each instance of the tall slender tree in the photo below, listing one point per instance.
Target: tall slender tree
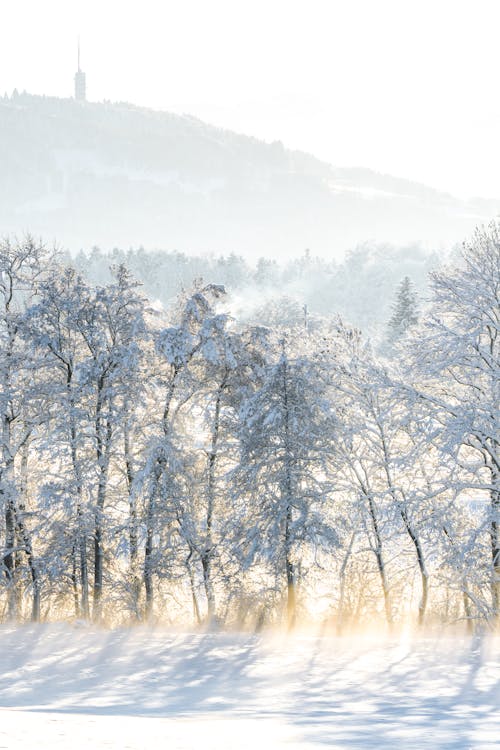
(458, 362)
(23, 265)
(285, 429)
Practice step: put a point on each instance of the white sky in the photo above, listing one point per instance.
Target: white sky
(407, 87)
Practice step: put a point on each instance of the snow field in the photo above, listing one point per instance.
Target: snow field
(66, 686)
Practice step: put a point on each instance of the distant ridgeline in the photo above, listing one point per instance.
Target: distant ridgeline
(361, 288)
(116, 175)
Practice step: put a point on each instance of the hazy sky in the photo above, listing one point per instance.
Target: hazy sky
(407, 87)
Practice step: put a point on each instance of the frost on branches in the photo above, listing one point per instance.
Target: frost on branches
(180, 465)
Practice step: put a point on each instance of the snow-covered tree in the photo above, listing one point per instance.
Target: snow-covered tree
(23, 264)
(282, 488)
(166, 462)
(157, 462)
(405, 311)
(60, 351)
(458, 359)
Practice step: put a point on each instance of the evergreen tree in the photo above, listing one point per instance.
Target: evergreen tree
(404, 311)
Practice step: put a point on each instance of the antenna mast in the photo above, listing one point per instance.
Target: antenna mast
(80, 82)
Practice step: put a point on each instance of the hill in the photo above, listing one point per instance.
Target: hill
(117, 175)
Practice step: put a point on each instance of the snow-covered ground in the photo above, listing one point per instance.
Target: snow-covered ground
(69, 687)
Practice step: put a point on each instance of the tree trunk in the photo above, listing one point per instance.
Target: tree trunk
(291, 601)
(151, 509)
(291, 598)
(133, 542)
(7, 487)
(468, 613)
(207, 553)
(80, 546)
(495, 543)
(74, 581)
(9, 557)
(340, 611)
(24, 536)
(194, 598)
(84, 572)
(424, 578)
(148, 565)
(495, 554)
(35, 579)
(149, 546)
(103, 437)
(290, 572)
(380, 561)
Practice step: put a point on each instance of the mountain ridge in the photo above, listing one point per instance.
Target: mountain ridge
(114, 174)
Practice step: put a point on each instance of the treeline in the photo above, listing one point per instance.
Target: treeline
(183, 466)
(360, 288)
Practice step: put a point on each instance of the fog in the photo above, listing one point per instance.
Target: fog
(297, 291)
(113, 175)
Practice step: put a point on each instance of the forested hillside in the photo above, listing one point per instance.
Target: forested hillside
(183, 465)
(117, 175)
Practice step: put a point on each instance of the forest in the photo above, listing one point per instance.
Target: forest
(360, 287)
(178, 464)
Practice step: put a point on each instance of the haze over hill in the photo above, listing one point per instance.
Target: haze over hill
(107, 174)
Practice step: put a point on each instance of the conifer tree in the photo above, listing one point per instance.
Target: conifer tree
(404, 311)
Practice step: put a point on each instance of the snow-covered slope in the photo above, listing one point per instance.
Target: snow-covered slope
(117, 175)
(77, 687)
